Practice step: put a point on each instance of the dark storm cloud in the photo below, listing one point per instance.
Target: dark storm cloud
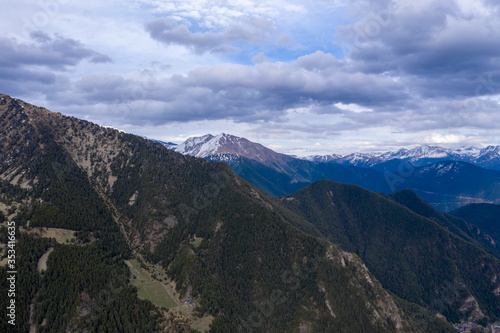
(250, 29)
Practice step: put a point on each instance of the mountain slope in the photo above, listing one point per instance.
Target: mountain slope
(483, 216)
(264, 177)
(458, 226)
(410, 255)
(228, 246)
(86, 281)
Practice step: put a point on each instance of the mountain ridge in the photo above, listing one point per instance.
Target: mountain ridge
(446, 184)
(382, 232)
(487, 157)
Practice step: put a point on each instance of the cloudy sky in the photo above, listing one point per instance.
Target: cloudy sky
(301, 77)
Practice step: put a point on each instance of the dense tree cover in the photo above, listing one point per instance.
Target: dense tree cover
(87, 288)
(29, 249)
(486, 217)
(458, 226)
(410, 255)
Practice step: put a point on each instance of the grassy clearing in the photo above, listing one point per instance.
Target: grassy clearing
(196, 242)
(62, 236)
(42, 263)
(150, 289)
(161, 292)
(202, 324)
(3, 262)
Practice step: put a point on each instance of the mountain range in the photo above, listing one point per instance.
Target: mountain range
(488, 157)
(436, 174)
(117, 233)
(209, 145)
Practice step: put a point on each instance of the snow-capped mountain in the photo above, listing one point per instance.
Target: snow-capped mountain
(322, 158)
(488, 157)
(209, 145)
(444, 177)
(252, 159)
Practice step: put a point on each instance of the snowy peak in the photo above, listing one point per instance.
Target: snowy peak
(417, 153)
(209, 145)
(322, 158)
(194, 146)
(488, 157)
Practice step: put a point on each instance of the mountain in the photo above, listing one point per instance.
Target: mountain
(322, 158)
(411, 255)
(460, 227)
(89, 202)
(448, 185)
(264, 177)
(169, 145)
(209, 145)
(275, 173)
(488, 157)
(483, 216)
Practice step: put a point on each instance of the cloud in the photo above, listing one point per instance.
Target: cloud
(441, 49)
(249, 29)
(447, 138)
(39, 67)
(391, 68)
(242, 93)
(55, 53)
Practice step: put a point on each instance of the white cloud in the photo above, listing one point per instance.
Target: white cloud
(427, 73)
(447, 138)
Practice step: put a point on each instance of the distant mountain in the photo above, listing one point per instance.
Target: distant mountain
(448, 185)
(209, 145)
(322, 158)
(488, 157)
(483, 216)
(276, 173)
(267, 178)
(201, 232)
(413, 256)
(169, 145)
(445, 185)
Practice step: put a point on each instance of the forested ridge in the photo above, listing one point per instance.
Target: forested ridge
(413, 256)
